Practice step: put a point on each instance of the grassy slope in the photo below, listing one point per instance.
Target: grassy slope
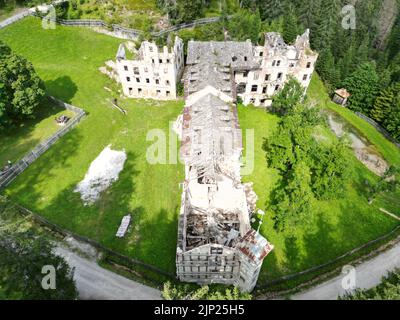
(389, 151)
(16, 143)
(339, 225)
(68, 60)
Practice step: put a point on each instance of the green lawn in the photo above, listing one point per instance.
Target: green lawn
(68, 59)
(338, 225)
(16, 143)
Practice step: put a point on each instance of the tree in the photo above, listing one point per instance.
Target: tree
(385, 102)
(22, 89)
(22, 257)
(288, 98)
(363, 85)
(245, 25)
(290, 27)
(330, 170)
(186, 292)
(291, 203)
(189, 10)
(327, 68)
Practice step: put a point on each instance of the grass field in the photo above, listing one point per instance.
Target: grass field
(68, 60)
(16, 143)
(338, 225)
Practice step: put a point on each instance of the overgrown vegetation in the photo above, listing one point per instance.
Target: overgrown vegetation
(308, 168)
(24, 251)
(194, 292)
(388, 289)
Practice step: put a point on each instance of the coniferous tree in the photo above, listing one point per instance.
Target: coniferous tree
(363, 85)
(385, 102)
(290, 27)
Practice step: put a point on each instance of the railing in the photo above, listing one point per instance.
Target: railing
(16, 169)
(378, 127)
(135, 32)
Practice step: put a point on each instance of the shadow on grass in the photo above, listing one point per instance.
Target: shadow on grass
(25, 186)
(62, 88)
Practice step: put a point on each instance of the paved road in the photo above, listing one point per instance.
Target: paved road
(96, 283)
(368, 275)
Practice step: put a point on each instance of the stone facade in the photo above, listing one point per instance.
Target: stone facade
(276, 61)
(150, 72)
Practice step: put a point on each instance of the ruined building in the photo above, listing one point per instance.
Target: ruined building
(150, 72)
(257, 71)
(269, 66)
(216, 243)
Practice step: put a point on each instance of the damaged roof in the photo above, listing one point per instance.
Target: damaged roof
(224, 53)
(254, 246)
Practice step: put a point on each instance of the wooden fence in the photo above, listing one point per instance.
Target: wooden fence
(16, 169)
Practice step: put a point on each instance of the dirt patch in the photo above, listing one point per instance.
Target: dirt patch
(363, 149)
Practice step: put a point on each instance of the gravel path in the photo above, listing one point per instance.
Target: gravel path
(96, 283)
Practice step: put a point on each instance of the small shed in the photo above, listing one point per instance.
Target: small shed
(341, 96)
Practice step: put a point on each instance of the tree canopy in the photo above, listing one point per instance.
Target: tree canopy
(22, 258)
(21, 88)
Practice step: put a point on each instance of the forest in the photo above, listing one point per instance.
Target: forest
(359, 47)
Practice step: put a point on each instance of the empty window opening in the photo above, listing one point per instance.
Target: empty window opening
(126, 68)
